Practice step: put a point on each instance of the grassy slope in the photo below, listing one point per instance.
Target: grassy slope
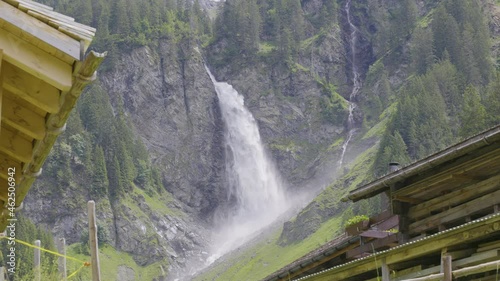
(267, 256)
(110, 261)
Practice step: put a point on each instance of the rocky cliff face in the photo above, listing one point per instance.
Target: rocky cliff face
(293, 104)
(174, 108)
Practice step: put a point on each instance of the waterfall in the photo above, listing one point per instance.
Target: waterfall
(356, 81)
(253, 181)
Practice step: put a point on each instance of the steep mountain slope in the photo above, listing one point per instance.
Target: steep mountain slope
(414, 99)
(147, 140)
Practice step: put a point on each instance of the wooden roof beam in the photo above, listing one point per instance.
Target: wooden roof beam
(15, 146)
(448, 173)
(35, 61)
(3, 191)
(56, 123)
(5, 163)
(1, 88)
(29, 88)
(23, 119)
(407, 199)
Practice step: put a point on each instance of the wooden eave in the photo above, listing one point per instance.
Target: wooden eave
(478, 230)
(42, 74)
(429, 171)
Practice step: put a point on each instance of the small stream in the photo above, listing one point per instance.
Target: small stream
(356, 82)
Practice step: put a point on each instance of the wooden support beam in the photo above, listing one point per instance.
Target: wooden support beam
(35, 61)
(23, 119)
(478, 204)
(386, 273)
(35, 91)
(446, 267)
(15, 146)
(94, 250)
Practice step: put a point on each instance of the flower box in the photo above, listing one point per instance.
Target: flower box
(357, 228)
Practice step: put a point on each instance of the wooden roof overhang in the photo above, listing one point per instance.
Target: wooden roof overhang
(474, 232)
(43, 71)
(474, 159)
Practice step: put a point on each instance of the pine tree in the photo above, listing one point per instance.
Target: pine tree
(84, 14)
(119, 22)
(445, 76)
(115, 178)
(472, 70)
(128, 170)
(493, 102)
(447, 37)
(473, 115)
(99, 185)
(421, 50)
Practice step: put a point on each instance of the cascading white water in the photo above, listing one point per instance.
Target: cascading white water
(253, 180)
(356, 81)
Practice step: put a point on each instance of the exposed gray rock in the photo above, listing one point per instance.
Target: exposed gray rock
(125, 273)
(287, 105)
(173, 105)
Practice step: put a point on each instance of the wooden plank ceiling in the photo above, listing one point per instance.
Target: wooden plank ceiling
(40, 52)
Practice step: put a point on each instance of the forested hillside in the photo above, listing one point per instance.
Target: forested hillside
(146, 139)
(431, 78)
(102, 157)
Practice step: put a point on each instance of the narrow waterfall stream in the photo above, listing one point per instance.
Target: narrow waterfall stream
(253, 181)
(356, 81)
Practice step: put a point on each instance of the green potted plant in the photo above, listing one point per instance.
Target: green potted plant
(357, 224)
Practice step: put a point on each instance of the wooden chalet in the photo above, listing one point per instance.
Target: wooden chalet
(43, 70)
(442, 223)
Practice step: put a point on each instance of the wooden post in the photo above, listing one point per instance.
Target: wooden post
(447, 268)
(61, 247)
(2, 274)
(36, 264)
(386, 274)
(94, 250)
